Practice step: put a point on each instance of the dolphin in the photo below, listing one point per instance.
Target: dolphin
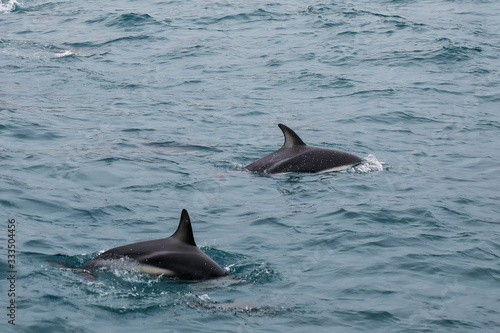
(296, 156)
(176, 257)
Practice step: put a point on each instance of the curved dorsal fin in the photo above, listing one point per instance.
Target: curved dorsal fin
(184, 231)
(291, 139)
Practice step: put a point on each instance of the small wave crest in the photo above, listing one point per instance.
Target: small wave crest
(132, 20)
(249, 307)
(64, 53)
(9, 6)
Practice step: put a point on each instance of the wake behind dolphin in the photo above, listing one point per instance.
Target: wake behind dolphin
(176, 256)
(296, 156)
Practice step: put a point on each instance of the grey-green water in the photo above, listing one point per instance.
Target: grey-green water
(115, 116)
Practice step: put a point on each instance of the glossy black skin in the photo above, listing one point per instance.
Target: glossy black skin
(177, 254)
(296, 156)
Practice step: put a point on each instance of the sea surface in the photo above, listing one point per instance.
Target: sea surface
(116, 115)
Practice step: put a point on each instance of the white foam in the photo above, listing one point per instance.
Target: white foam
(370, 163)
(9, 6)
(65, 53)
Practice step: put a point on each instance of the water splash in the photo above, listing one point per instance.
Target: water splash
(64, 53)
(370, 163)
(9, 6)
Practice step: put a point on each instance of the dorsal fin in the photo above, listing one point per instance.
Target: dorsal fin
(184, 231)
(291, 139)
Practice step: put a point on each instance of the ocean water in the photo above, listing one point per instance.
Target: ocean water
(114, 116)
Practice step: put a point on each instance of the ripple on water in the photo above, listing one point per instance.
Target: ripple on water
(113, 118)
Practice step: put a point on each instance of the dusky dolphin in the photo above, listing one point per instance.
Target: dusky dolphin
(176, 256)
(296, 156)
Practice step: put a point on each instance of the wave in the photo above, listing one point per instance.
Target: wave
(443, 51)
(132, 20)
(64, 54)
(390, 118)
(104, 43)
(25, 50)
(253, 16)
(172, 147)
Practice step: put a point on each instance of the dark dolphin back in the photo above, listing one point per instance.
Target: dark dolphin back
(296, 156)
(315, 159)
(291, 138)
(192, 265)
(292, 141)
(184, 232)
(177, 254)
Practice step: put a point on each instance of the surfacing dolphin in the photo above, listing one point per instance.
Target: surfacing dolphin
(176, 256)
(296, 156)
